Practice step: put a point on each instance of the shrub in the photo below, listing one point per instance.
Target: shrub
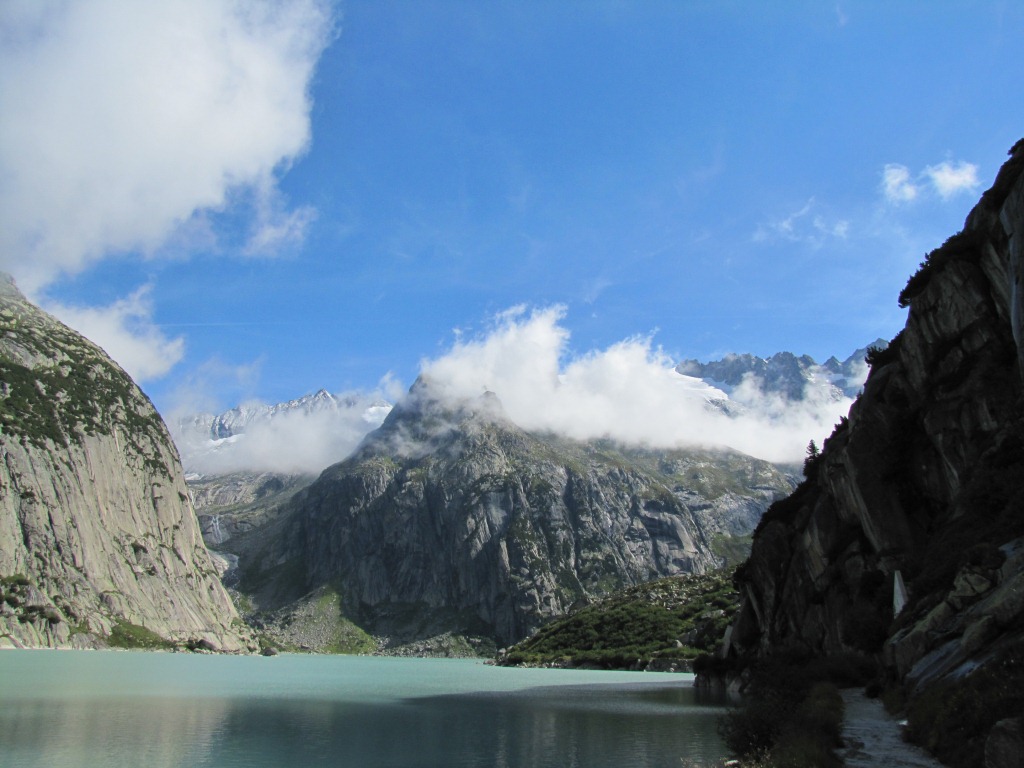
(794, 715)
(134, 636)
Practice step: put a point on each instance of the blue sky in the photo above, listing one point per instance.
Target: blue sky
(257, 201)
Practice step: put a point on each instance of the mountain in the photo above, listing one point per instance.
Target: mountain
(450, 518)
(237, 420)
(785, 374)
(98, 542)
(301, 436)
(905, 544)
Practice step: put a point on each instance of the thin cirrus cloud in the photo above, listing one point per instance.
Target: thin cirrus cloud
(123, 125)
(946, 179)
(806, 225)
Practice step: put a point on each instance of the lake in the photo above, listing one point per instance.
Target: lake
(60, 709)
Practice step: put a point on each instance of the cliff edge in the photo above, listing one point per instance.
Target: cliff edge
(905, 543)
(98, 541)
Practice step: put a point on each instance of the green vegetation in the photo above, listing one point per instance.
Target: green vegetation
(71, 390)
(880, 356)
(793, 716)
(345, 636)
(671, 619)
(136, 637)
(14, 591)
(314, 624)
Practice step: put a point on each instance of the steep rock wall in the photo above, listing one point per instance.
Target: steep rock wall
(96, 530)
(925, 478)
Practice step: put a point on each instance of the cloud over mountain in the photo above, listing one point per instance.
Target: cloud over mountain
(628, 392)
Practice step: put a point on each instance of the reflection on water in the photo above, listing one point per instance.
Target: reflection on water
(107, 709)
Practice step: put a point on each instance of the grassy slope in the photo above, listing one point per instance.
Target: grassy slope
(671, 619)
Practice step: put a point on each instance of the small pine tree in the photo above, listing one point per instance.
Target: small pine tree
(813, 454)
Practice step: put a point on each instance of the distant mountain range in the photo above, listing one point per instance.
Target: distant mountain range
(785, 374)
(235, 421)
(318, 429)
(335, 423)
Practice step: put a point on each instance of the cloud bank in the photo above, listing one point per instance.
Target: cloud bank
(289, 440)
(628, 392)
(123, 124)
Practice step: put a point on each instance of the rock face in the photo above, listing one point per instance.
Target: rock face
(925, 478)
(785, 374)
(96, 530)
(451, 518)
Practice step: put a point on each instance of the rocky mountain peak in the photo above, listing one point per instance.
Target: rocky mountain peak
(427, 418)
(792, 376)
(452, 518)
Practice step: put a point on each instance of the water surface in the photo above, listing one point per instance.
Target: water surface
(61, 709)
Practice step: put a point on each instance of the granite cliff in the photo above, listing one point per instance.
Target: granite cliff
(904, 544)
(98, 541)
(450, 518)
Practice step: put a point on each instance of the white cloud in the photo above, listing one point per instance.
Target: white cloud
(275, 226)
(896, 184)
(285, 440)
(120, 122)
(805, 226)
(949, 179)
(629, 392)
(125, 330)
(946, 179)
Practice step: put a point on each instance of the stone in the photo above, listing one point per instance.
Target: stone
(979, 634)
(970, 584)
(922, 477)
(1004, 747)
(1006, 603)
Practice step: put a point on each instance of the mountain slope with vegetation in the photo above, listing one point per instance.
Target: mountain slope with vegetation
(663, 624)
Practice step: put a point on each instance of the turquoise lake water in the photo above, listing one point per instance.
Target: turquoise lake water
(63, 709)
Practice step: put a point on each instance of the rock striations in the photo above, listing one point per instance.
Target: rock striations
(98, 541)
(922, 486)
(452, 518)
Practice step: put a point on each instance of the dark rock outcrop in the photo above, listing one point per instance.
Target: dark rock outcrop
(925, 479)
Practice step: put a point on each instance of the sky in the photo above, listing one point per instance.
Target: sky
(255, 200)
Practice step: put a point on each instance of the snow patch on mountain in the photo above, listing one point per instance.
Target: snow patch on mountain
(300, 436)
